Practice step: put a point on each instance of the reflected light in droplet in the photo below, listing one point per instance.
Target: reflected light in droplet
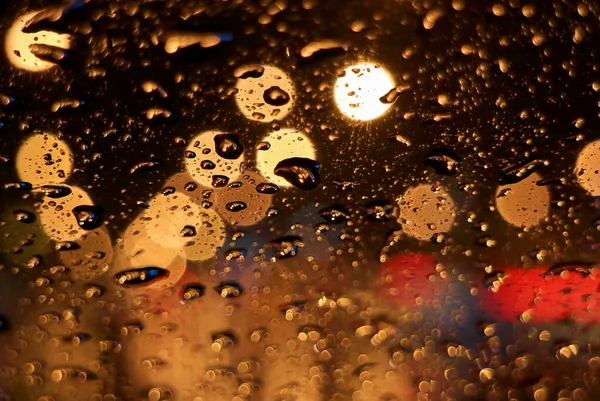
(358, 91)
(17, 45)
(44, 159)
(587, 168)
(283, 144)
(424, 212)
(253, 92)
(202, 148)
(525, 203)
(57, 218)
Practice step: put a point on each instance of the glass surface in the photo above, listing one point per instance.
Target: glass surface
(287, 200)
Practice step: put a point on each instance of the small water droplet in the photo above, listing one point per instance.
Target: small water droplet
(263, 146)
(236, 254)
(229, 289)
(236, 206)
(192, 292)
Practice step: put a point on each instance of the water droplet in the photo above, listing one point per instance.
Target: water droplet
(207, 165)
(66, 246)
(55, 191)
(236, 206)
(188, 231)
(189, 154)
(391, 96)
(168, 190)
(334, 214)
(380, 211)
(140, 276)
(24, 216)
(345, 185)
(192, 292)
(236, 254)
(222, 340)
(285, 247)
(267, 188)
(228, 146)
(275, 96)
(300, 172)
(249, 71)
(516, 173)
(324, 47)
(21, 186)
(4, 326)
(443, 161)
(89, 217)
(190, 186)
(144, 166)
(229, 289)
(219, 181)
(263, 146)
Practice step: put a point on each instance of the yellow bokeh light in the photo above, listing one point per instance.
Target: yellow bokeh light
(359, 90)
(17, 45)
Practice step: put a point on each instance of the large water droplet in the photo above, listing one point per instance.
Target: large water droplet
(89, 217)
(275, 96)
(334, 214)
(228, 146)
(443, 161)
(55, 191)
(300, 172)
(141, 276)
(516, 173)
(24, 216)
(285, 247)
(380, 211)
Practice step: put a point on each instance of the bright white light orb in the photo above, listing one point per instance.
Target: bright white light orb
(359, 90)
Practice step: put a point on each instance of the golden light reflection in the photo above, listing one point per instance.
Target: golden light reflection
(283, 144)
(587, 168)
(425, 212)
(524, 204)
(17, 45)
(202, 161)
(359, 89)
(44, 159)
(264, 93)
